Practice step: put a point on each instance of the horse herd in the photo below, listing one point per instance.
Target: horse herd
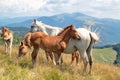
(54, 41)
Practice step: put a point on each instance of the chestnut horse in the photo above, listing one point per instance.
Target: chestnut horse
(7, 37)
(56, 44)
(52, 31)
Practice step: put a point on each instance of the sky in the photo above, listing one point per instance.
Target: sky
(95, 8)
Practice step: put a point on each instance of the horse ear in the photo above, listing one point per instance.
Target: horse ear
(35, 21)
(21, 43)
(72, 26)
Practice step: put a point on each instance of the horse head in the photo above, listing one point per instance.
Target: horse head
(6, 33)
(70, 31)
(24, 45)
(34, 26)
(74, 32)
(23, 49)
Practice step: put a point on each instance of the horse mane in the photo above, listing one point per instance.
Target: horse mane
(9, 32)
(6, 30)
(64, 30)
(41, 24)
(27, 38)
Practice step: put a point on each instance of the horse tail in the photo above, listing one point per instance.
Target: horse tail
(27, 39)
(94, 38)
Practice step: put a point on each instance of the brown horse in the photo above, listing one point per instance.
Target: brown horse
(7, 37)
(56, 44)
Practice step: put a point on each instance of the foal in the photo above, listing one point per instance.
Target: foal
(7, 37)
(56, 44)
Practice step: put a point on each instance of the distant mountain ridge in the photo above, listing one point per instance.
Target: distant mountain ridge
(109, 28)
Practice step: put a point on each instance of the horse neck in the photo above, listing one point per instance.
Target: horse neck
(66, 38)
(65, 35)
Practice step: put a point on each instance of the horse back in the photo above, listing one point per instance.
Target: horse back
(53, 43)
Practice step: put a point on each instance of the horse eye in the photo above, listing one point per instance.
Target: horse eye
(74, 31)
(32, 26)
(21, 48)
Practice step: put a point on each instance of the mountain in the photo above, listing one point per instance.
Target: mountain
(14, 21)
(108, 29)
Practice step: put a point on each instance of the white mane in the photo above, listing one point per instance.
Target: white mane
(39, 26)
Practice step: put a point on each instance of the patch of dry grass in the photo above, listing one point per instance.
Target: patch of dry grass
(10, 70)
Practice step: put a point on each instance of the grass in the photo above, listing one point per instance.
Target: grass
(11, 69)
(106, 55)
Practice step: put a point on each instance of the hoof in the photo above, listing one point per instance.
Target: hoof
(90, 73)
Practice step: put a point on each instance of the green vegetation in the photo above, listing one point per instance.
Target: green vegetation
(117, 49)
(14, 69)
(106, 55)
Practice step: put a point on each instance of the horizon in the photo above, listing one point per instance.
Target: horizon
(94, 8)
(55, 15)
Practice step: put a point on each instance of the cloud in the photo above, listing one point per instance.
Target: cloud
(97, 8)
(20, 6)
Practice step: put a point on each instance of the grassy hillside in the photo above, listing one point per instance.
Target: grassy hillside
(106, 55)
(11, 70)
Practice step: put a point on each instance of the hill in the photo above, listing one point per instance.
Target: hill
(108, 28)
(10, 69)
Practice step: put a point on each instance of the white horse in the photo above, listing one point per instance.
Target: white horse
(84, 46)
(7, 37)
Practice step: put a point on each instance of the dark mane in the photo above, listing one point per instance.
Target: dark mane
(64, 30)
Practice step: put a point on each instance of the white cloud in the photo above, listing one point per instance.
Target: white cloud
(20, 6)
(97, 8)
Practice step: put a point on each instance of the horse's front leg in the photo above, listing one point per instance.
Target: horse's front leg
(6, 49)
(59, 57)
(52, 57)
(34, 55)
(10, 48)
(47, 55)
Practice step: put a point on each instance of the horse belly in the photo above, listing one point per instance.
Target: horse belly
(51, 45)
(70, 48)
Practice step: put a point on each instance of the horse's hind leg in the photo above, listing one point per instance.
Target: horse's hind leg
(34, 55)
(89, 54)
(75, 55)
(85, 61)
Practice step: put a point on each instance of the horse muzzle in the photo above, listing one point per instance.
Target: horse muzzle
(78, 37)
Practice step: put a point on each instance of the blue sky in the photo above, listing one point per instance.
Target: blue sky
(96, 8)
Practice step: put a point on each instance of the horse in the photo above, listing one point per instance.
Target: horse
(7, 37)
(56, 44)
(84, 46)
(52, 31)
